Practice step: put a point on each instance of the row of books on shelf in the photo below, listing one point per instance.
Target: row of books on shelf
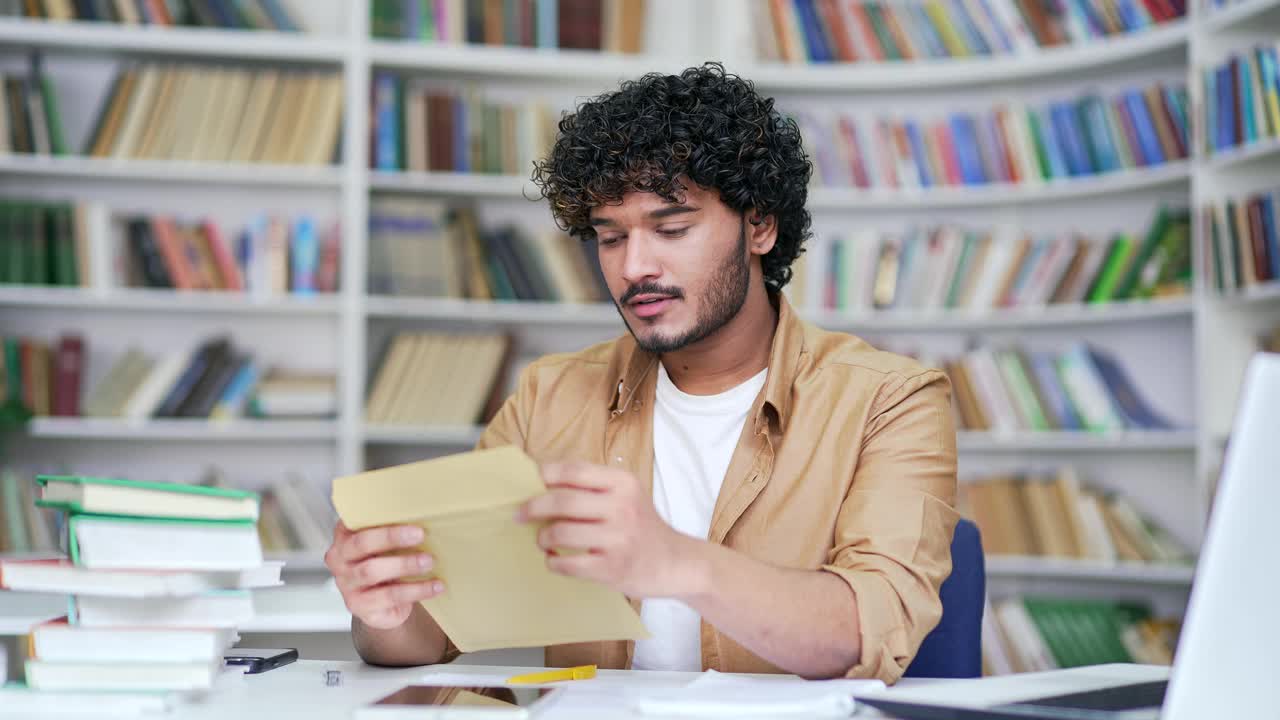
(1083, 389)
(205, 113)
(956, 268)
(1033, 634)
(417, 127)
(608, 25)
(159, 577)
(215, 380)
(30, 121)
(439, 378)
(425, 248)
(1057, 515)
(45, 243)
(1242, 98)
(228, 14)
(830, 31)
(1243, 241)
(1013, 143)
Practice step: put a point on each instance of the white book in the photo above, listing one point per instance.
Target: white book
(310, 533)
(121, 676)
(148, 396)
(131, 544)
(17, 701)
(1024, 637)
(213, 610)
(1000, 255)
(1097, 538)
(62, 643)
(61, 576)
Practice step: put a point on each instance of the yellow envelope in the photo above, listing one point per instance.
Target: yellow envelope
(498, 590)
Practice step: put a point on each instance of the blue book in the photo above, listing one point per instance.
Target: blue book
(412, 19)
(236, 395)
(1270, 81)
(1271, 232)
(1145, 127)
(815, 41)
(461, 143)
(1176, 98)
(966, 144)
(548, 24)
(1002, 36)
(1227, 110)
(196, 369)
(279, 16)
(968, 30)
(386, 154)
(918, 153)
(1129, 15)
(994, 161)
(1211, 108)
(304, 257)
(1247, 124)
(1093, 18)
(1053, 396)
(1072, 146)
(1039, 247)
(1132, 408)
(928, 33)
(1105, 154)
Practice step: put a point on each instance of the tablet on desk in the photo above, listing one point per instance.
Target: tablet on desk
(424, 702)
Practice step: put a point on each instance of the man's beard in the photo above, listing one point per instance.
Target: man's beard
(725, 295)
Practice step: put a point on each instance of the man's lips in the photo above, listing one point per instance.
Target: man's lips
(650, 305)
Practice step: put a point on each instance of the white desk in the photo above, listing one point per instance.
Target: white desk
(298, 691)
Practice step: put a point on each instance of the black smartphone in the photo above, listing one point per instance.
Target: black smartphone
(259, 661)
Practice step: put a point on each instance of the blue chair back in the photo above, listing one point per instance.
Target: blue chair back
(954, 648)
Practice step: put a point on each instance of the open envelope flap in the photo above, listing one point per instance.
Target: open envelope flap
(461, 483)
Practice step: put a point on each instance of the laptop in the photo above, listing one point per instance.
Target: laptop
(1228, 660)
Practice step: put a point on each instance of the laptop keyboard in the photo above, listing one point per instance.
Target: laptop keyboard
(1123, 697)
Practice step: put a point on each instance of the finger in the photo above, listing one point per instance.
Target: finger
(387, 619)
(580, 475)
(574, 536)
(587, 567)
(378, 570)
(378, 540)
(564, 502)
(395, 594)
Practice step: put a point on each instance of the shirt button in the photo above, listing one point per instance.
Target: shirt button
(618, 459)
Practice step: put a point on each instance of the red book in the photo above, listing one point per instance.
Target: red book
(860, 16)
(330, 252)
(1130, 132)
(886, 153)
(68, 375)
(833, 19)
(947, 149)
(1258, 239)
(1003, 134)
(173, 252)
(860, 177)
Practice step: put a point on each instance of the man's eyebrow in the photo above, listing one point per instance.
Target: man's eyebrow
(659, 214)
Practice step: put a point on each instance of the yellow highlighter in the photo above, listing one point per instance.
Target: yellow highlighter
(582, 672)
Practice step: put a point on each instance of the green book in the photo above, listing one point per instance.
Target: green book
(136, 498)
(1118, 260)
(57, 141)
(1023, 392)
(13, 369)
(1155, 235)
(1037, 138)
(881, 30)
(962, 270)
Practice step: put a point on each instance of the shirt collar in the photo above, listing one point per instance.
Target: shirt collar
(784, 362)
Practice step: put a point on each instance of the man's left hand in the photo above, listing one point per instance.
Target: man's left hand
(601, 525)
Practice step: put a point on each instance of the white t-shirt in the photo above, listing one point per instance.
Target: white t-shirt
(694, 437)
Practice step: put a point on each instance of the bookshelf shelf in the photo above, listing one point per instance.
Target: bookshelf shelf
(1012, 566)
(1058, 63)
(484, 311)
(1254, 295)
(164, 301)
(452, 184)
(1238, 16)
(1126, 441)
(84, 36)
(182, 429)
(1053, 316)
(80, 168)
(462, 436)
(576, 66)
(1004, 194)
(1266, 150)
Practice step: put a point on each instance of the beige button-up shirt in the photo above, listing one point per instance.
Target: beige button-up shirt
(846, 464)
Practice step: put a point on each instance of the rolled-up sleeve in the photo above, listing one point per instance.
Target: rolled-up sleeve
(892, 540)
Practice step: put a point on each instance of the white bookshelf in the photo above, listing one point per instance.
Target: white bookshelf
(1204, 334)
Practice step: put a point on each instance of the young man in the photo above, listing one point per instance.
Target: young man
(772, 496)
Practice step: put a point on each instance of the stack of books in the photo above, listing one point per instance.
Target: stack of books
(239, 15)
(158, 576)
(1242, 238)
(439, 379)
(30, 122)
(609, 25)
(1242, 99)
(46, 243)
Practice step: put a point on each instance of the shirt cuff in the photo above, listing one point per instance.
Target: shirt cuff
(884, 652)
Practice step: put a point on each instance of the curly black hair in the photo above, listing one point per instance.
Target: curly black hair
(704, 123)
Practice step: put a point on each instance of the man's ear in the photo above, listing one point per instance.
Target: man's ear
(762, 232)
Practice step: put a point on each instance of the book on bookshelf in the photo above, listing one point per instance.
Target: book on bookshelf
(424, 248)
(438, 378)
(835, 31)
(297, 516)
(950, 267)
(1083, 389)
(1242, 241)
(206, 113)
(615, 26)
(1033, 634)
(227, 14)
(1242, 98)
(30, 121)
(48, 243)
(1043, 514)
(215, 380)
(1013, 143)
(25, 527)
(271, 255)
(420, 127)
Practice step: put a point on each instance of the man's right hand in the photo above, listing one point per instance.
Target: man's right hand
(368, 577)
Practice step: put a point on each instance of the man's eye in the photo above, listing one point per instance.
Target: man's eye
(609, 240)
(672, 232)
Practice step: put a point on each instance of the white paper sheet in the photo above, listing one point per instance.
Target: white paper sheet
(723, 695)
